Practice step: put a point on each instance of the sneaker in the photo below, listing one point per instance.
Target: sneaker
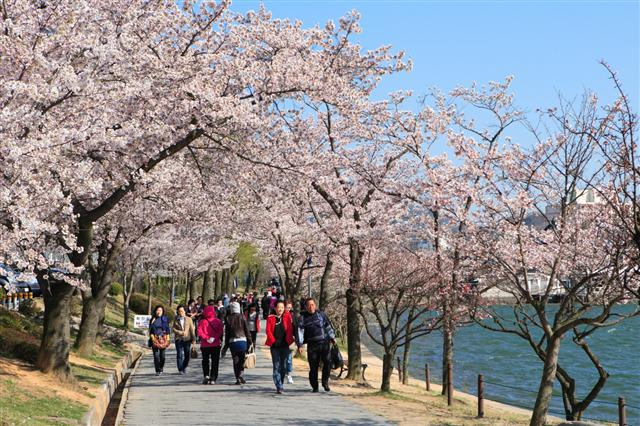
(314, 390)
(205, 381)
(279, 391)
(242, 380)
(289, 379)
(157, 373)
(326, 387)
(212, 382)
(185, 370)
(237, 381)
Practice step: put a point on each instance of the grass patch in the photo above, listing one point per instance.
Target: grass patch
(21, 407)
(114, 312)
(91, 375)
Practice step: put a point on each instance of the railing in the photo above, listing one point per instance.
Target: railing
(481, 392)
(13, 301)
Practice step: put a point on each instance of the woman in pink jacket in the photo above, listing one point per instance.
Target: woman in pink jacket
(210, 330)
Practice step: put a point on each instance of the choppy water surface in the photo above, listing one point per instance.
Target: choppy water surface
(512, 371)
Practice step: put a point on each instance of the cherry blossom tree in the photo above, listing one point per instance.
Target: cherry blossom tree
(539, 225)
(96, 96)
(395, 300)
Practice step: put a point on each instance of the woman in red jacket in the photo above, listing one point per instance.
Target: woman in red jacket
(210, 330)
(279, 338)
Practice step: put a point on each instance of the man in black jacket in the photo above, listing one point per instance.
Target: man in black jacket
(315, 329)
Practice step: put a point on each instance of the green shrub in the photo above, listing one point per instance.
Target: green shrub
(139, 304)
(116, 289)
(28, 308)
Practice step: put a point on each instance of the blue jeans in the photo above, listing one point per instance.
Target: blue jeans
(290, 363)
(279, 359)
(183, 353)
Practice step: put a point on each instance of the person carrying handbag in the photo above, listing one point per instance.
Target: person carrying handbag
(185, 334)
(279, 337)
(237, 339)
(159, 337)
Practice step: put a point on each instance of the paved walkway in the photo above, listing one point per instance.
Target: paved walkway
(172, 399)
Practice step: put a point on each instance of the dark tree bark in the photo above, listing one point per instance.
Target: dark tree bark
(94, 299)
(172, 290)
(149, 293)
(407, 348)
(447, 346)
(207, 284)
(218, 277)
(387, 370)
(356, 252)
(53, 356)
(324, 281)
(545, 390)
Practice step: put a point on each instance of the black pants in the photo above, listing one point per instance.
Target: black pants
(238, 362)
(210, 368)
(317, 353)
(158, 359)
(254, 334)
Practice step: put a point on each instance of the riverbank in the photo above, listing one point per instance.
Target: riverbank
(411, 404)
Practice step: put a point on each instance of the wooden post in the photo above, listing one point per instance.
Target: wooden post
(622, 414)
(480, 396)
(426, 376)
(449, 385)
(399, 370)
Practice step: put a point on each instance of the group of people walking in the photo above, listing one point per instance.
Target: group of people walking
(219, 329)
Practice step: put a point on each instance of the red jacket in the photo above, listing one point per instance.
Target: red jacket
(210, 326)
(288, 329)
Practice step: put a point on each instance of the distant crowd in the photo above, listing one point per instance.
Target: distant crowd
(232, 323)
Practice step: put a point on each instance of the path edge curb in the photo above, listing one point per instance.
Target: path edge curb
(125, 391)
(98, 406)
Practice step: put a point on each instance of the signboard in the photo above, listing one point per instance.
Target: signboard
(141, 321)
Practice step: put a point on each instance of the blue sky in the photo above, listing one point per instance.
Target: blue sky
(549, 46)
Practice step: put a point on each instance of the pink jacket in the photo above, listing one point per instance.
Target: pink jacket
(210, 326)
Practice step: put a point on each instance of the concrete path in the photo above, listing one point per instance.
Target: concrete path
(172, 399)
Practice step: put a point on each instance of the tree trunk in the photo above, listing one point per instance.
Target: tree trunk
(545, 390)
(218, 275)
(92, 308)
(407, 351)
(387, 371)
(128, 291)
(172, 290)
(207, 284)
(353, 338)
(53, 356)
(322, 299)
(356, 251)
(149, 292)
(94, 299)
(447, 346)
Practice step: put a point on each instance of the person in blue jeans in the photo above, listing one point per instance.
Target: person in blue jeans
(288, 310)
(185, 334)
(237, 339)
(315, 330)
(279, 337)
(159, 333)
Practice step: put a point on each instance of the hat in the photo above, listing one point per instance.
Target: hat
(235, 307)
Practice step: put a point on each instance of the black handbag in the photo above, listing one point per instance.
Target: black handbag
(336, 358)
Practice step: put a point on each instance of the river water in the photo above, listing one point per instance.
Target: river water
(512, 372)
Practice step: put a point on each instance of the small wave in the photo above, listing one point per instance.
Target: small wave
(612, 330)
